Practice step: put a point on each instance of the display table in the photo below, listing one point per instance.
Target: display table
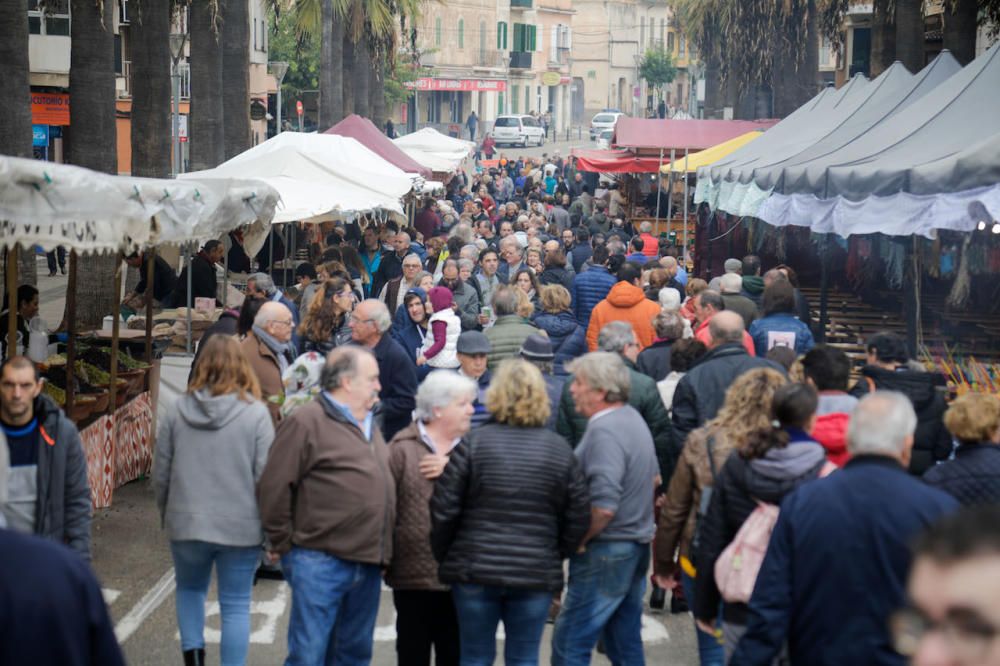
(119, 448)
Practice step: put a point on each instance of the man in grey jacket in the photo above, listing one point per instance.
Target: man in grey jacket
(47, 488)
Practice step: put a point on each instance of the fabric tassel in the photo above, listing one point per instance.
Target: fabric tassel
(959, 294)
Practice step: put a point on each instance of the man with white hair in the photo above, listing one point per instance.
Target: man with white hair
(268, 346)
(816, 569)
(370, 324)
(394, 290)
(261, 285)
(731, 285)
(651, 246)
(730, 266)
(391, 265)
(511, 257)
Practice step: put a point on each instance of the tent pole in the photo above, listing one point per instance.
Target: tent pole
(911, 300)
(225, 277)
(824, 295)
(270, 252)
(188, 344)
(670, 193)
(12, 301)
(659, 189)
(115, 330)
(150, 264)
(685, 175)
(70, 328)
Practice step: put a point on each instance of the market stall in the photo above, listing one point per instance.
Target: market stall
(364, 132)
(442, 154)
(108, 393)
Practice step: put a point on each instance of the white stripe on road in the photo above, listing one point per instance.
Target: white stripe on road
(109, 595)
(142, 610)
(272, 611)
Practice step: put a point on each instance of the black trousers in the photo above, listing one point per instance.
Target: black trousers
(51, 256)
(425, 618)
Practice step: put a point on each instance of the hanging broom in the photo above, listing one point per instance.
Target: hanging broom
(959, 294)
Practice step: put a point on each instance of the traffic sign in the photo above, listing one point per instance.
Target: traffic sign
(298, 107)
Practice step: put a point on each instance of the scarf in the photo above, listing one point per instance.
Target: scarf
(284, 351)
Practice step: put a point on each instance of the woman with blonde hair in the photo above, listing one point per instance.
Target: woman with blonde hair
(499, 538)
(973, 476)
(744, 412)
(325, 324)
(210, 451)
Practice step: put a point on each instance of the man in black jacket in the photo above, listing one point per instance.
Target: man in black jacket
(164, 279)
(48, 491)
(701, 392)
(203, 281)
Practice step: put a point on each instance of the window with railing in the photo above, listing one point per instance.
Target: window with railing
(52, 19)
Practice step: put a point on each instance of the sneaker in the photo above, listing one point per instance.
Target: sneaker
(52, 274)
(657, 598)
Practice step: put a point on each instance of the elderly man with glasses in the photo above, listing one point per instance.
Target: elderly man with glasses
(268, 346)
(394, 290)
(370, 324)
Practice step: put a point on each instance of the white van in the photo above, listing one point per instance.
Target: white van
(518, 130)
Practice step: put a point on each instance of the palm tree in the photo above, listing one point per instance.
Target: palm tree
(331, 77)
(910, 34)
(960, 23)
(347, 70)
(92, 136)
(361, 76)
(150, 31)
(235, 89)
(206, 119)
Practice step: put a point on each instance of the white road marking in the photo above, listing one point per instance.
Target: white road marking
(271, 610)
(142, 610)
(110, 595)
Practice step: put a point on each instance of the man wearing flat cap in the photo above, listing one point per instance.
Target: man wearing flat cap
(472, 348)
(537, 350)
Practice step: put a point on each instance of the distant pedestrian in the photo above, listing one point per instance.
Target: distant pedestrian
(390, 128)
(328, 505)
(210, 451)
(472, 122)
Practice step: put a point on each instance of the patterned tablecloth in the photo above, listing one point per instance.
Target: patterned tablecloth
(119, 448)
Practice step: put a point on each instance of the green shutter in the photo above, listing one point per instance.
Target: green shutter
(530, 37)
(437, 32)
(501, 36)
(514, 107)
(500, 104)
(518, 43)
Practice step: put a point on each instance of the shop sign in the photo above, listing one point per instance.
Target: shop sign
(457, 85)
(49, 108)
(551, 78)
(40, 135)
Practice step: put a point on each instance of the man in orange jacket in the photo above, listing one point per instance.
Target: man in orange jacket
(625, 302)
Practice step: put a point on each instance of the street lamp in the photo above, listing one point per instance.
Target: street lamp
(278, 71)
(177, 42)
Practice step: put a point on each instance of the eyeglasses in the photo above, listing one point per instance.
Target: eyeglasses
(969, 635)
(286, 322)
(344, 294)
(359, 320)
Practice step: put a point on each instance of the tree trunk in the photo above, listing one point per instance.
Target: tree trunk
(960, 30)
(15, 130)
(206, 119)
(376, 90)
(883, 38)
(151, 89)
(236, 82)
(910, 34)
(713, 84)
(331, 74)
(92, 140)
(346, 73)
(362, 74)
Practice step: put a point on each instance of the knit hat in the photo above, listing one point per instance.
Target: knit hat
(733, 266)
(441, 298)
(472, 343)
(537, 348)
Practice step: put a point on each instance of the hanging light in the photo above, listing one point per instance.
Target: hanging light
(996, 227)
(982, 225)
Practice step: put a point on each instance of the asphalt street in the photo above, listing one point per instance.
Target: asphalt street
(133, 563)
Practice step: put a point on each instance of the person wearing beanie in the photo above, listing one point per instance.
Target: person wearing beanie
(537, 350)
(440, 348)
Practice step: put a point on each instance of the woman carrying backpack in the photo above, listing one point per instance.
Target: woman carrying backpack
(744, 413)
(770, 463)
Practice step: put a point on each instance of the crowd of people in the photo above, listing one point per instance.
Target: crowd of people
(523, 379)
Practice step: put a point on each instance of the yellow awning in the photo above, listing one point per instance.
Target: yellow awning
(709, 155)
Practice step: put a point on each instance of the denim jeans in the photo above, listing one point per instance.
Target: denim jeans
(334, 606)
(710, 651)
(604, 599)
(234, 568)
(481, 607)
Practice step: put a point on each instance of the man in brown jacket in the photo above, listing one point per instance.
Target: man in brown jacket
(328, 504)
(269, 349)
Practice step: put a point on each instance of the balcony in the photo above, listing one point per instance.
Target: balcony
(520, 4)
(490, 58)
(520, 60)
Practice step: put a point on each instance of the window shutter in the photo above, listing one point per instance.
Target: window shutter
(461, 33)
(518, 43)
(554, 44)
(531, 44)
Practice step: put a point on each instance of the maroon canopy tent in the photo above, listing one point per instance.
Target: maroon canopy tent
(647, 137)
(364, 132)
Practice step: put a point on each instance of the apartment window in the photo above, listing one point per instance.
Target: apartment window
(502, 36)
(670, 42)
(524, 38)
(500, 104)
(255, 34)
(663, 31)
(514, 106)
(56, 22)
(642, 30)
(825, 53)
(437, 31)
(461, 33)
(683, 42)
(482, 42)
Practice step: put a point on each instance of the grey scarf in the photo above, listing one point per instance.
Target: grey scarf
(284, 351)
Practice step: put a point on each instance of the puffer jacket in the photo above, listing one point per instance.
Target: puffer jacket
(740, 485)
(557, 275)
(644, 396)
(625, 302)
(413, 566)
(932, 441)
(833, 415)
(782, 326)
(506, 336)
(590, 287)
(654, 360)
(973, 477)
(565, 334)
(511, 504)
(679, 513)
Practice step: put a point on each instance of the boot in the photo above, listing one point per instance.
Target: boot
(657, 598)
(194, 657)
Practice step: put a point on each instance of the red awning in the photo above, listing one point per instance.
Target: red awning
(364, 132)
(615, 161)
(647, 136)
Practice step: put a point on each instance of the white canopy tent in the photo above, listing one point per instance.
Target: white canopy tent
(436, 151)
(319, 177)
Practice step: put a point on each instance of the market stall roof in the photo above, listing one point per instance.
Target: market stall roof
(645, 135)
(615, 161)
(364, 131)
(318, 176)
(436, 151)
(48, 204)
(711, 155)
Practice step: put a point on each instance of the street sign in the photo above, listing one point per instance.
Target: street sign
(39, 135)
(551, 78)
(298, 107)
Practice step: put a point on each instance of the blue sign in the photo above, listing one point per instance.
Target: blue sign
(40, 135)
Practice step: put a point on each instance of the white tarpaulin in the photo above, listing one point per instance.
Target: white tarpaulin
(318, 176)
(47, 204)
(437, 152)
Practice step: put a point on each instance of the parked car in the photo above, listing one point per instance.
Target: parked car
(604, 138)
(518, 130)
(602, 121)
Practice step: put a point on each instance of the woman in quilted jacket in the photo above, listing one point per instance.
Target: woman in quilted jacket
(770, 463)
(744, 413)
(556, 318)
(324, 326)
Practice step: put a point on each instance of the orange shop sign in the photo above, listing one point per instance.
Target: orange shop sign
(49, 108)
